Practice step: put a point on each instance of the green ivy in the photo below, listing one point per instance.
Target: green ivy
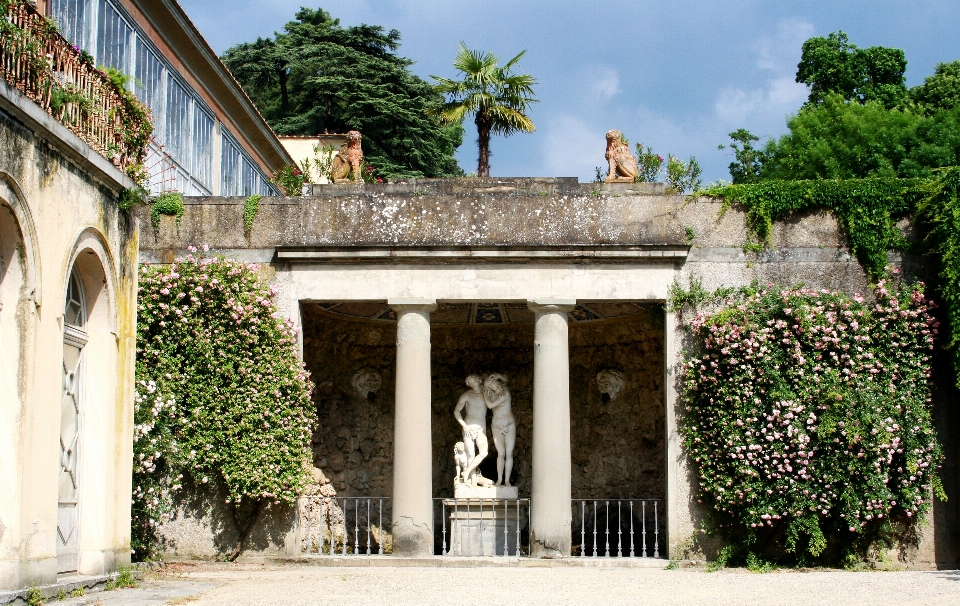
(221, 396)
(131, 197)
(170, 204)
(809, 421)
(250, 208)
(867, 209)
(939, 213)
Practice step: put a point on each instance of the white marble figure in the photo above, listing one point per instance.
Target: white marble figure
(611, 382)
(503, 425)
(460, 458)
(366, 381)
(474, 406)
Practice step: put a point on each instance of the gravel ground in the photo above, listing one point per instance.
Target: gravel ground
(294, 585)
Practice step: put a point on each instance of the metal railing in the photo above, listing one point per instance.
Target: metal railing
(484, 527)
(40, 63)
(633, 523)
(341, 526)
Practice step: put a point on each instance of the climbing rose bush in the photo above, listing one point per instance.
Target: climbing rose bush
(809, 418)
(221, 395)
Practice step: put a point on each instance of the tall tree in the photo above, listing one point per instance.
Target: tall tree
(833, 65)
(941, 90)
(317, 76)
(497, 98)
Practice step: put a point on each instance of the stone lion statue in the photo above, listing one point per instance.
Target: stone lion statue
(348, 160)
(623, 166)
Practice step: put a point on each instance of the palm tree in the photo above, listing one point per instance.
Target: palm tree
(497, 98)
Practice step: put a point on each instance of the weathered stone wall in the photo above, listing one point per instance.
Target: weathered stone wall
(516, 240)
(58, 210)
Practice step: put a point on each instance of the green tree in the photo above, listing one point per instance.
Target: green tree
(748, 160)
(941, 91)
(317, 76)
(832, 65)
(497, 98)
(840, 140)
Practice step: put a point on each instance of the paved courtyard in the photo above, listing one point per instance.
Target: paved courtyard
(292, 585)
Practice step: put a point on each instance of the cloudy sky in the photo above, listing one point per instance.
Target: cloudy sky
(676, 75)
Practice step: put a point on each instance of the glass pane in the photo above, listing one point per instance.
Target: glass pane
(178, 121)
(73, 18)
(73, 309)
(250, 177)
(113, 39)
(202, 146)
(149, 85)
(230, 167)
(69, 422)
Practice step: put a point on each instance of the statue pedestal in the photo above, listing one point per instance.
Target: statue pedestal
(465, 491)
(483, 521)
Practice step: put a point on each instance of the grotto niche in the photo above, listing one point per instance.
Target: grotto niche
(616, 351)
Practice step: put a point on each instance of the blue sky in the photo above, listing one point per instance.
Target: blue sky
(675, 75)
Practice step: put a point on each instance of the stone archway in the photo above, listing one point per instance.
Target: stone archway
(87, 410)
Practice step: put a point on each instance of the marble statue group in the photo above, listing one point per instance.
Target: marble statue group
(485, 394)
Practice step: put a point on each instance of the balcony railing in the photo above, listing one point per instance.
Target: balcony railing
(47, 69)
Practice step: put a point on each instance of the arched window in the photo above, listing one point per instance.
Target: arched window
(71, 404)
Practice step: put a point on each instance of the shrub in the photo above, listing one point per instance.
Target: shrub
(221, 395)
(290, 179)
(809, 420)
(650, 164)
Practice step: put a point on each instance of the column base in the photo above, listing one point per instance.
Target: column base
(412, 540)
(550, 549)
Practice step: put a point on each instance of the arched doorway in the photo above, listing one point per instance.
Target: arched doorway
(75, 339)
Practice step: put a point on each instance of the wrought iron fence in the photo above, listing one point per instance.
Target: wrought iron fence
(633, 523)
(341, 526)
(51, 72)
(483, 527)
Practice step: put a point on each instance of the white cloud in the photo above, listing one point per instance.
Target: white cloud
(734, 106)
(765, 106)
(604, 84)
(781, 53)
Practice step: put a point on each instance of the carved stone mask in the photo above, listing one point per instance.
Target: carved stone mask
(610, 382)
(366, 382)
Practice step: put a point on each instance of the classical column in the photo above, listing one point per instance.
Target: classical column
(550, 515)
(412, 447)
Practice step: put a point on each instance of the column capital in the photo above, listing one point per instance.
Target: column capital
(551, 305)
(425, 305)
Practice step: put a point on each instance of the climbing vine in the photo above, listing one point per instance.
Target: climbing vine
(939, 214)
(809, 420)
(868, 210)
(221, 399)
(251, 207)
(169, 203)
